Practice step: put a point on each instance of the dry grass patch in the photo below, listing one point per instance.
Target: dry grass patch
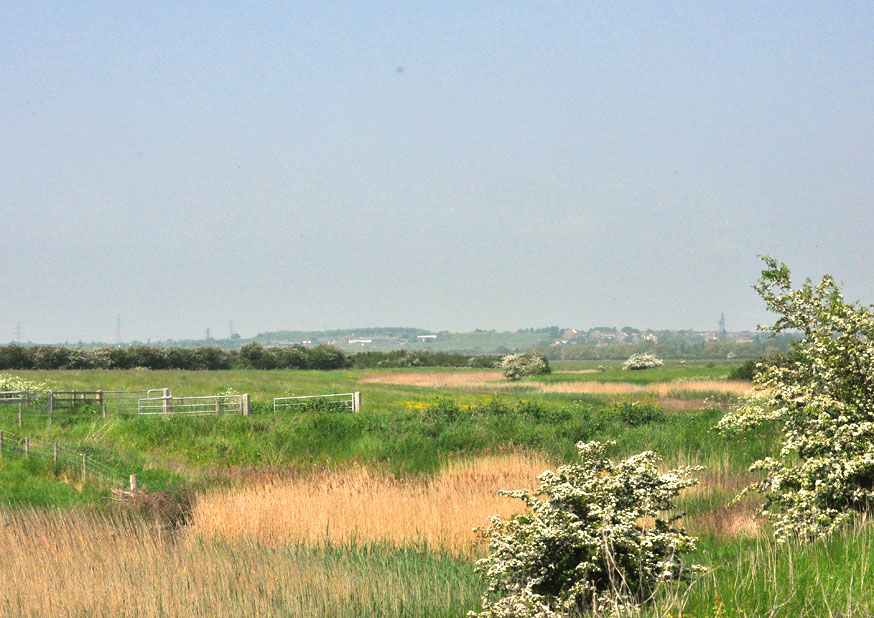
(78, 564)
(659, 389)
(363, 505)
(728, 521)
(449, 379)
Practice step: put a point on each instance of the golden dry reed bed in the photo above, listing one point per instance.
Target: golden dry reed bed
(245, 552)
(494, 380)
(659, 389)
(77, 564)
(357, 504)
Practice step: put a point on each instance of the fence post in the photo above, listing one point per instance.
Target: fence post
(133, 483)
(19, 412)
(218, 407)
(55, 455)
(356, 401)
(99, 397)
(27, 447)
(246, 401)
(1, 443)
(104, 411)
(84, 465)
(165, 393)
(50, 401)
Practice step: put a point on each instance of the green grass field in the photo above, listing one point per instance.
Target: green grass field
(412, 431)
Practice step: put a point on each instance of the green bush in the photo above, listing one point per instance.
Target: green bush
(634, 412)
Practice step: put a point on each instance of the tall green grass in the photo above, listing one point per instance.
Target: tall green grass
(758, 577)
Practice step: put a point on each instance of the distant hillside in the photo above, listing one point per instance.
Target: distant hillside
(602, 342)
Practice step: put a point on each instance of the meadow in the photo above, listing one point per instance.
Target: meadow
(372, 514)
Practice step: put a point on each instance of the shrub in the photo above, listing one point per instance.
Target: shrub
(822, 398)
(746, 371)
(515, 366)
(483, 362)
(583, 546)
(634, 412)
(641, 361)
(10, 382)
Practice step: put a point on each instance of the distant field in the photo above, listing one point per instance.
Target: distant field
(482, 342)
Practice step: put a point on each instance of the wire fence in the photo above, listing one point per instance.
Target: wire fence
(61, 456)
(12, 398)
(343, 401)
(160, 401)
(209, 404)
(115, 401)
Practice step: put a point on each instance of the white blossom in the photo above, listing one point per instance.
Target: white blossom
(581, 545)
(823, 401)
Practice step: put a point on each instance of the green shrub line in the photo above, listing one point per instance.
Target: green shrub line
(251, 356)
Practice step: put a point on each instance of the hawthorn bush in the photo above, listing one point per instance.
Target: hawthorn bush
(584, 545)
(641, 361)
(822, 398)
(515, 366)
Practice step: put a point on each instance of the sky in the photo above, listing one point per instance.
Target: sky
(174, 167)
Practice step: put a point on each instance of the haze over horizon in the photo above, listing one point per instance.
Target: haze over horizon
(443, 167)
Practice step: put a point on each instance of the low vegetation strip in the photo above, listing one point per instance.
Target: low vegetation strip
(448, 379)
(357, 504)
(494, 380)
(658, 389)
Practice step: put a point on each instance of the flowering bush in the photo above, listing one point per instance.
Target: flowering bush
(822, 397)
(515, 366)
(10, 382)
(585, 546)
(642, 361)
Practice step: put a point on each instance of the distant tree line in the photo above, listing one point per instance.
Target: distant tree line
(251, 356)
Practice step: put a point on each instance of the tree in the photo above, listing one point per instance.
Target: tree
(584, 545)
(515, 366)
(821, 397)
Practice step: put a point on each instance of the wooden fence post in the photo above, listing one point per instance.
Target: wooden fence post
(218, 407)
(84, 465)
(246, 402)
(99, 397)
(1, 443)
(133, 483)
(165, 393)
(356, 401)
(19, 413)
(50, 401)
(55, 455)
(104, 411)
(27, 447)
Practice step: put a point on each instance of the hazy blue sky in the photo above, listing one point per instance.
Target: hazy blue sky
(443, 165)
